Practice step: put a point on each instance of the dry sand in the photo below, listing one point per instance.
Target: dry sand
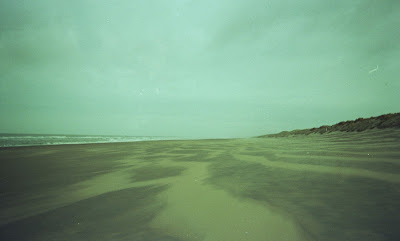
(337, 186)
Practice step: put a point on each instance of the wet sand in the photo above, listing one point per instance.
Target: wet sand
(338, 186)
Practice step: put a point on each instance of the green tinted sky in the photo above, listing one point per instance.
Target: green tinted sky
(195, 68)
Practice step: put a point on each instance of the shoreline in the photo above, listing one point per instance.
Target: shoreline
(372, 133)
(115, 142)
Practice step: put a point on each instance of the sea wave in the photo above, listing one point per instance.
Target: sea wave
(10, 140)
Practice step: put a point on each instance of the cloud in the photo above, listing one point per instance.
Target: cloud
(369, 27)
(97, 56)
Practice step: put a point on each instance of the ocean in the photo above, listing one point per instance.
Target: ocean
(9, 140)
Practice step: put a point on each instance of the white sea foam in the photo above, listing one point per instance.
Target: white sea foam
(8, 140)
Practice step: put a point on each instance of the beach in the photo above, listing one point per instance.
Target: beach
(336, 186)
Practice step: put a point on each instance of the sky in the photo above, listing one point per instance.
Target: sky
(201, 69)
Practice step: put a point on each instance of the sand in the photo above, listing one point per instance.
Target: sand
(337, 186)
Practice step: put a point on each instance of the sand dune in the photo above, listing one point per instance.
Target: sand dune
(387, 121)
(337, 186)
